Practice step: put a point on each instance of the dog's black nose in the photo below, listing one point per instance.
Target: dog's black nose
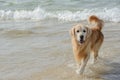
(81, 37)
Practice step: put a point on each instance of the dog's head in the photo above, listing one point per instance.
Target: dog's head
(80, 33)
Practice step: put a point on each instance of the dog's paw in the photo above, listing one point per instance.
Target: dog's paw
(79, 72)
(94, 61)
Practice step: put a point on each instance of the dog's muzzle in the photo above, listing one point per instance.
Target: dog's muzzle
(81, 39)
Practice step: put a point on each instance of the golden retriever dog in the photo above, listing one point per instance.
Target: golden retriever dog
(86, 40)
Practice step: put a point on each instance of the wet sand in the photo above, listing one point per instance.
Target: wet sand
(43, 51)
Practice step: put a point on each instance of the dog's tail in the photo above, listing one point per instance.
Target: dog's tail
(98, 23)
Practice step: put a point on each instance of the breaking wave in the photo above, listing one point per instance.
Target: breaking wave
(38, 13)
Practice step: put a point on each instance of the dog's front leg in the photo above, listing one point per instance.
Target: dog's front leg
(81, 67)
(78, 69)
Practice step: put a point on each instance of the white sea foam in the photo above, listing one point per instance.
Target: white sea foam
(38, 13)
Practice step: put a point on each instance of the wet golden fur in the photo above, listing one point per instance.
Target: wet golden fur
(92, 42)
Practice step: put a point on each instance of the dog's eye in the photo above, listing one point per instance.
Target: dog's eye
(84, 31)
(77, 31)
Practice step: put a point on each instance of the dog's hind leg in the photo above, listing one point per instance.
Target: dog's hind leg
(95, 55)
(95, 51)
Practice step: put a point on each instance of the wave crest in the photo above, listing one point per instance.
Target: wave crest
(66, 15)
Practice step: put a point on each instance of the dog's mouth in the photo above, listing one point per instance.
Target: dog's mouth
(81, 41)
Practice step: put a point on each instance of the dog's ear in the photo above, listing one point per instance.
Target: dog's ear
(72, 32)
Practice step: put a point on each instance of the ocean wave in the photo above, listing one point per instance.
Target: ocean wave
(38, 13)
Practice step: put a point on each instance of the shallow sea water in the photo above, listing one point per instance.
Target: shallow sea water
(37, 50)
